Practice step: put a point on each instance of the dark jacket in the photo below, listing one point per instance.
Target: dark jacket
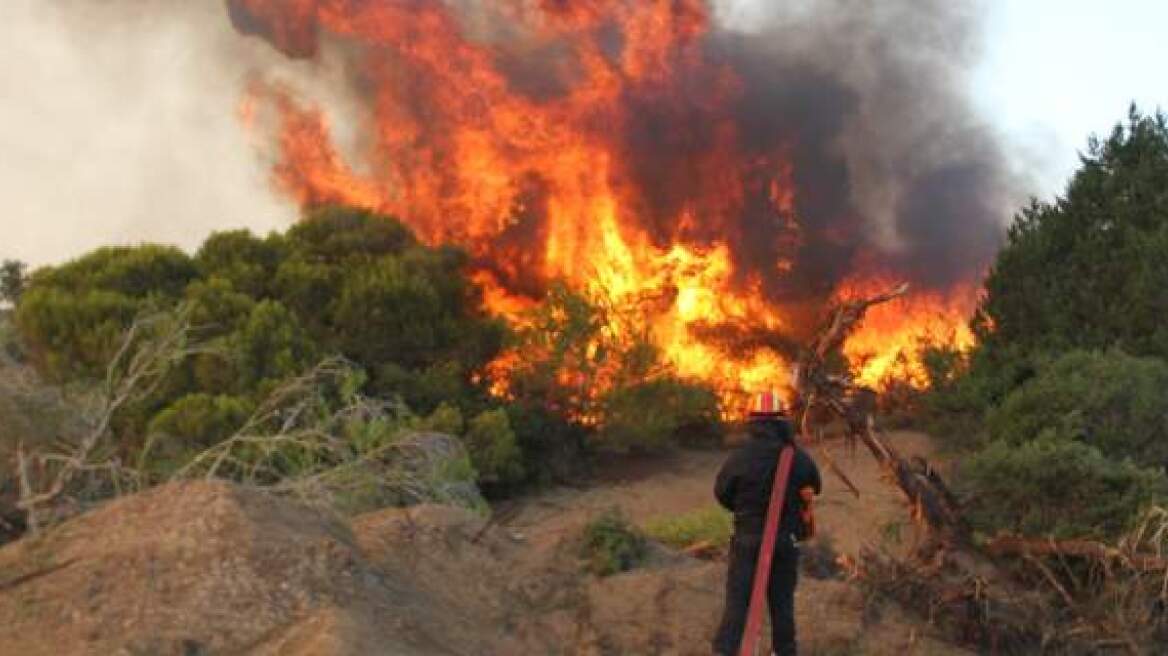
(745, 481)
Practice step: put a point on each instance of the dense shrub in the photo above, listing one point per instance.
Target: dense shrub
(341, 282)
(963, 386)
(651, 415)
(1112, 401)
(1070, 445)
(493, 448)
(1063, 403)
(188, 426)
(612, 545)
(13, 277)
(552, 445)
(1053, 486)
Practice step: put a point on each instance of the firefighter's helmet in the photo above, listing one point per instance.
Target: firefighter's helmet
(766, 405)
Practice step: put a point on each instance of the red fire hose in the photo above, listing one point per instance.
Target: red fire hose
(766, 553)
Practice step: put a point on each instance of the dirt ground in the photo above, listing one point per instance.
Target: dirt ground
(832, 615)
(213, 568)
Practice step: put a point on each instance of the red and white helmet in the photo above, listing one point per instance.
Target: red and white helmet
(766, 405)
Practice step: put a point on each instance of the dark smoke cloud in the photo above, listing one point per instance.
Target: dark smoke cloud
(872, 98)
(869, 101)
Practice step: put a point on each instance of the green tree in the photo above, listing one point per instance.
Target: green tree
(73, 334)
(247, 262)
(13, 275)
(72, 316)
(341, 282)
(271, 346)
(337, 235)
(1089, 271)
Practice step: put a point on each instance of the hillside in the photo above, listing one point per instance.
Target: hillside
(211, 567)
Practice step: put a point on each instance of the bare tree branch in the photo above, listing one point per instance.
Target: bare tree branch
(148, 350)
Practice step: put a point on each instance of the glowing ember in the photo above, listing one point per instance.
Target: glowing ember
(596, 142)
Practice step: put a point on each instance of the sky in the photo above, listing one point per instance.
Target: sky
(101, 143)
(1056, 71)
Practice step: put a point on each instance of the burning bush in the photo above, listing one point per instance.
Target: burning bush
(358, 285)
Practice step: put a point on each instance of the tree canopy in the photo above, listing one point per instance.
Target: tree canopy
(1089, 270)
(350, 283)
(341, 282)
(1066, 393)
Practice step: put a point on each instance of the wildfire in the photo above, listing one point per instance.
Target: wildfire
(595, 142)
(886, 344)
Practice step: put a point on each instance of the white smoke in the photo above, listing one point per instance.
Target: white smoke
(119, 124)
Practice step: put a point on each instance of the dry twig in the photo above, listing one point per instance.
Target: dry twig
(148, 350)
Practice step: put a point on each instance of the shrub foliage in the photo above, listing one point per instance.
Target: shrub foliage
(1063, 404)
(612, 545)
(351, 284)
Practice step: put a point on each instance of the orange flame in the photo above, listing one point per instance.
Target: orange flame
(541, 186)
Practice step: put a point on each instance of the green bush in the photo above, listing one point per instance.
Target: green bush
(493, 448)
(551, 444)
(70, 335)
(13, 277)
(612, 545)
(444, 419)
(650, 416)
(342, 281)
(711, 525)
(188, 426)
(1112, 401)
(963, 386)
(1052, 486)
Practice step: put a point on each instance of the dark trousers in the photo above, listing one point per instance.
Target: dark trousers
(780, 594)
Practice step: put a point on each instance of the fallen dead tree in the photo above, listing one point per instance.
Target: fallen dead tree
(1014, 594)
(818, 388)
(964, 602)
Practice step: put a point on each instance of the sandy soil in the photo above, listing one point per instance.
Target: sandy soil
(833, 616)
(213, 568)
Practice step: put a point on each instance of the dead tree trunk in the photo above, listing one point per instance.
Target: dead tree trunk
(818, 387)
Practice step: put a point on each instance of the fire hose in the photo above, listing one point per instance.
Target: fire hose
(766, 553)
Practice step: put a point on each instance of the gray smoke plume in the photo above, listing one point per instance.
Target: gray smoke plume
(876, 96)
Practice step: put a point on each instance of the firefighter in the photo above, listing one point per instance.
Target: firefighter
(744, 487)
